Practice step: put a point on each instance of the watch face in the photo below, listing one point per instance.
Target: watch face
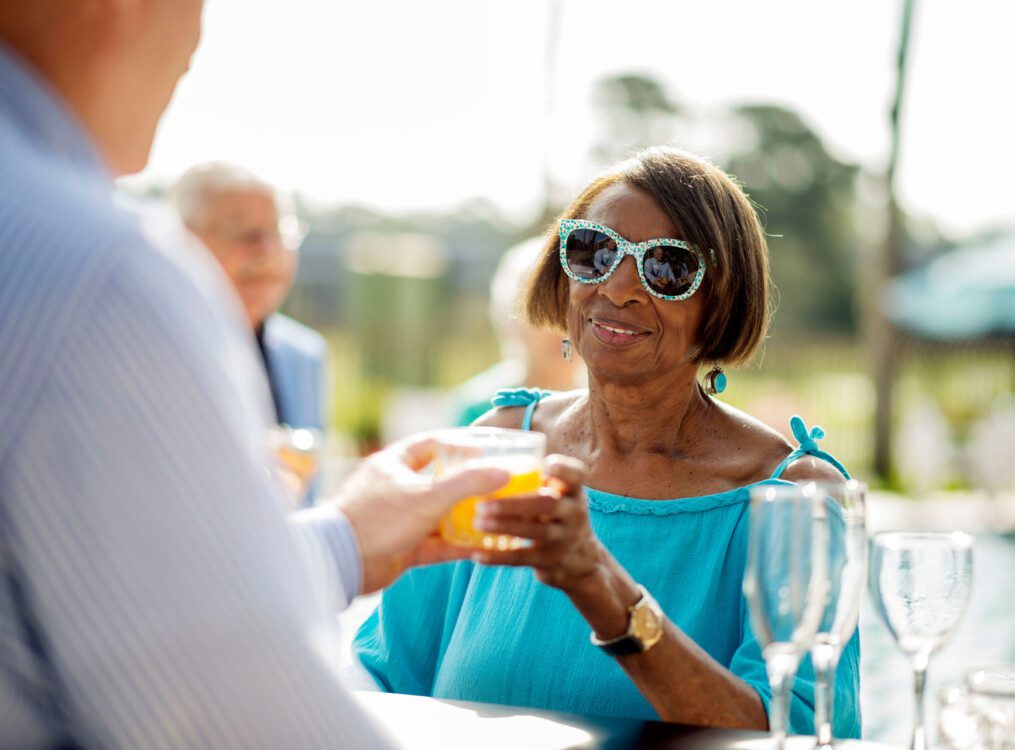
(646, 626)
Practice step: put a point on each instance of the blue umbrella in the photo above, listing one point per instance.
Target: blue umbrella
(965, 293)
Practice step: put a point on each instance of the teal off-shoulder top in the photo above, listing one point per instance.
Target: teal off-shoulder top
(493, 634)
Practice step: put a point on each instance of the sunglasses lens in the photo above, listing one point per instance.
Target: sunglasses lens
(670, 270)
(589, 253)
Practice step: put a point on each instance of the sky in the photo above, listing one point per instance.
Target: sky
(403, 105)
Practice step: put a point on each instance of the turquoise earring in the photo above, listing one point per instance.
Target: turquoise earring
(715, 381)
(565, 349)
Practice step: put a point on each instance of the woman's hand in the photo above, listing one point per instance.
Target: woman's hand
(564, 550)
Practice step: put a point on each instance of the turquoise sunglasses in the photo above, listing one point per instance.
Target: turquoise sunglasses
(669, 269)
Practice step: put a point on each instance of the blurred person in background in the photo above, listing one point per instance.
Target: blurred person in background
(628, 600)
(255, 238)
(153, 591)
(530, 357)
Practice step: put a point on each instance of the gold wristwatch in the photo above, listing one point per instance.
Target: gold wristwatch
(644, 629)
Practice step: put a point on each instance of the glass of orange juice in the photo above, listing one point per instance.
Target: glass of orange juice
(296, 452)
(518, 451)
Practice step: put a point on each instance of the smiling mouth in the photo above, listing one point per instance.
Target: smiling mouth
(616, 333)
(616, 330)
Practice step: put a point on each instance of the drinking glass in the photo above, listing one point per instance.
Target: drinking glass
(520, 452)
(920, 583)
(958, 726)
(296, 452)
(992, 693)
(847, 573)
(785, 583)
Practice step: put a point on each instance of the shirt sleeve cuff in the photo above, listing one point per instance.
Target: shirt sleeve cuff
(335, 533)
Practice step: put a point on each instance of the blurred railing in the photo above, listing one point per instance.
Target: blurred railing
(946, 394)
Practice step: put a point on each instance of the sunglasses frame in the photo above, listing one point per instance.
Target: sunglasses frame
(636, 250)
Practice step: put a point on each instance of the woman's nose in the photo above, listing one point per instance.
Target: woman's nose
(624, 286)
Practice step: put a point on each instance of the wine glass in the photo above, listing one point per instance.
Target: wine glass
(920, 583)
(843, 503)
(785, 583)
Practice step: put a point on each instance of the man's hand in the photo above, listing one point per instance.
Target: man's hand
(394, 510)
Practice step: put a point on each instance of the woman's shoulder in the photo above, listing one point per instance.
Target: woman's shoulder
(765, 449)
(510, 407)
(748, 432)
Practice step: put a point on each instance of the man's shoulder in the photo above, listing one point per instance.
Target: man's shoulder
(59, 242)
(284, 333)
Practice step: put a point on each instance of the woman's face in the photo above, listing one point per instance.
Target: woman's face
(626, 335)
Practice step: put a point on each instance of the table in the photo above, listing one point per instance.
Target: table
(417, 722)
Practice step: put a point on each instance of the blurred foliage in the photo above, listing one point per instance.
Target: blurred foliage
(635, 111)
(807, 201)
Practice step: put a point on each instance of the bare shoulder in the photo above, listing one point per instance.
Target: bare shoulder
(770, 448)
(544, 419)
(753, 432)
(758, 448)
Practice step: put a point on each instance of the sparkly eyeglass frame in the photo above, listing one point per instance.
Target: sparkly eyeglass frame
(636, 250)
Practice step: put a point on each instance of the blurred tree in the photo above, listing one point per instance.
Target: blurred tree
(635, 111)
(807, 197)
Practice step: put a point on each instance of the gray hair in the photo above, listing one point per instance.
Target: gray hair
(202, 183)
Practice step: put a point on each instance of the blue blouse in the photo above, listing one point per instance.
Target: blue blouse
(493, 634)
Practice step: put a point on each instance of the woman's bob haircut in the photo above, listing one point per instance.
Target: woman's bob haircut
(711, 211)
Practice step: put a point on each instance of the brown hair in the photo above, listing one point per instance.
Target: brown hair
(712, 211)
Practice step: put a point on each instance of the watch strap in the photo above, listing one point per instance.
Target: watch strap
(623, 646)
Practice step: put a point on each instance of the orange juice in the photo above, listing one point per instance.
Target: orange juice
(457, 526)
(295, 458)
(301, 463)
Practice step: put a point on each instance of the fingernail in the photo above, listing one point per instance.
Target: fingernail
(483, 524)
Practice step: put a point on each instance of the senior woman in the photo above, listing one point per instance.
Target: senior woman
(662, 515)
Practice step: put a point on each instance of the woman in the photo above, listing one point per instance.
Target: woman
(665, 500)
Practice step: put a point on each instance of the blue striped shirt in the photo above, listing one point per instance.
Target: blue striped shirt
(152, 593)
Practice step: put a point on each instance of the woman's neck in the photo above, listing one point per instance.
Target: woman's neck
(653, 417)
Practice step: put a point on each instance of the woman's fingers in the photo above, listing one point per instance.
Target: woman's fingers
(527, 506)
(526, 557)
(537, 531)
(567, 470)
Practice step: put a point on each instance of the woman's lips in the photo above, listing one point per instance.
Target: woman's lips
(617, 334)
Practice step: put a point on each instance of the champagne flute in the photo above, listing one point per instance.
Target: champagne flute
(920, 583)
(847, 573)
(785, 584)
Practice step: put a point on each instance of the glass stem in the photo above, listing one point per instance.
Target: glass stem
(824, 659)
(919, 681)
(781, 670)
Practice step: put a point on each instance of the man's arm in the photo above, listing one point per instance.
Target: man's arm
(173, 602)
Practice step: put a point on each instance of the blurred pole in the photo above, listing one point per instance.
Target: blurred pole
(885, 341)
(553, 17)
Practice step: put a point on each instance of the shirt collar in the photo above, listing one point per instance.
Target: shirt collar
(30, 104)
